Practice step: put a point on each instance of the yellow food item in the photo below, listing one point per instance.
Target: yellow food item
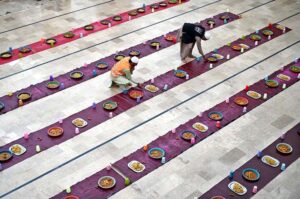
(250, 175)
(51, 41)
(237, 188)
(271, 83)
(134, 53)
(24, 96)
(108, 106)
(154, 44)
(283, 77)
(106, 182)
(76, 75)
(137, 166)
(283, 148)
(78, 122)
(180, 74)
(215, 116)
(151, 88)
(199, 127)
(52, 85)
(280, 27)
(16, 149)
(4, 156)
(254, 94)
(241, 101)
(156, 153)
(135, 94)
(270, 161)
(55, 131)
(236, 47)
(187, 135)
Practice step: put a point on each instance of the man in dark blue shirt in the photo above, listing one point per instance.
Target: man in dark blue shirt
(188, 35)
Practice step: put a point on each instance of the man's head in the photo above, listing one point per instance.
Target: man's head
(206, 36)
(134, 61)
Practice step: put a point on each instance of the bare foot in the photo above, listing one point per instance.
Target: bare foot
(189, 59)
(183, 61)
(192, 56)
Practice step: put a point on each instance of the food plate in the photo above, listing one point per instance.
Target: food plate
(5, 55)
(236, 47)
(212, 59)
(88, 27)
(151, 88)
(118, 57)
(106, 182)
(69, 34)
(141, 10)
(200, 127)
(210, 21)
(17, 149)
(284, 148)
(255, 37)
(102, 65)
(280, 27)
(2, 106)
(76, 75)
(271, 83)
(50, 41)
(25, 49)
(242, 101)
(180, 73)
(284, 77)
(251, 174)
(187, 135)
(254, 94)
(218, 56)
(71, 197)
(5, 155)
(155, 6)
(163, 4)
(24, 96)
(215, 115)
(156, 153)
(224, 17)
(273, 162)
(133, 13)
(136, 166)
(172, 1)
(53, 84)
(105, 22)
(153, 44)
(170, 37)
(79, 122)
(117, 18)
(237, 188)
(267, 32)
(55, 131)
(134, 94)
(246, 47)
(110, 105)
(134, 53)
(295, 69)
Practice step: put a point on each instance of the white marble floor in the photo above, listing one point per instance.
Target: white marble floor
(181, 177)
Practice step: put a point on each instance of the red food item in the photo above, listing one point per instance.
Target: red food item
(136, 94)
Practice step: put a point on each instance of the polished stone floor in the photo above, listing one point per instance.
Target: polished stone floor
(194, 171)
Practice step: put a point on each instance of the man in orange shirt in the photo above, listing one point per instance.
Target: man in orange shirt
(121, 72)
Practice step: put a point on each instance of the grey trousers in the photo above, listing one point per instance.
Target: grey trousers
(185, 49)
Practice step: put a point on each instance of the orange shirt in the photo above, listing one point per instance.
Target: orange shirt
(119, 67)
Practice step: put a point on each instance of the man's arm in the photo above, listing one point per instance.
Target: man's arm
(128, 75)
(198, 41)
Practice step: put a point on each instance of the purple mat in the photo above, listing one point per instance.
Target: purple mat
(40, 90)
(173, 145)
(99, 115)
(267, 173)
